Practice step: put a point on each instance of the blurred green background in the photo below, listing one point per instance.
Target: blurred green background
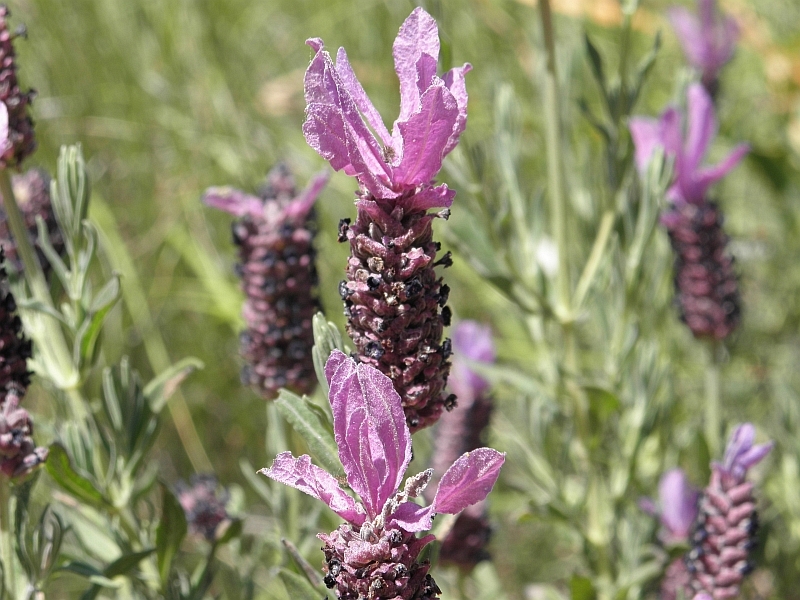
(170, 97)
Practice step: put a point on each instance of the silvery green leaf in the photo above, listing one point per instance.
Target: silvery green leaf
(159, 389)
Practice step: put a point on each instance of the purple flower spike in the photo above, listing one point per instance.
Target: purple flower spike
(378, 541)
(472, 341)
(678, 500)
(691, 180)
(394, 301)
(708, 39)
(727, 521)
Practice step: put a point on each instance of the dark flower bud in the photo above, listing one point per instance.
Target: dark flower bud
(19, 455)
(15, 348)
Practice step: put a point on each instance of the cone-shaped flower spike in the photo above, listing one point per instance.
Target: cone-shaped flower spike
(708, 39)
(16, 125)
(705, 280)
(375, 553)
(727, 522)
(394, 301)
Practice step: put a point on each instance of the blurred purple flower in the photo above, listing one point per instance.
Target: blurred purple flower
(472, 341)
(691, 181)
(204, 504)
(17, 140)
(708, 38)
(433, 113)
(374, 441)
(677, 506)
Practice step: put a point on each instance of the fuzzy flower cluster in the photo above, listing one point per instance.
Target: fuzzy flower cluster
(394, 301)
(204, 504)
(708, 39)
(19, 455)
(275, 235)
(374, 554)
(705, 280)
(463, 430)
(720, 523)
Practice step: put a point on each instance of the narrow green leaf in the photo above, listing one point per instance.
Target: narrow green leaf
(159, 390)
(596, 62)
(309, 571)
(60, 469)
(81, 568)
(307, 424)
(298, 587)
(581, 588)
(170, 531)
(125, 563)
(327, 338)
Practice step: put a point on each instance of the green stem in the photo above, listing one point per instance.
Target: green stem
(599, 246)
(712, 421)
(7, 535)
(555, 180)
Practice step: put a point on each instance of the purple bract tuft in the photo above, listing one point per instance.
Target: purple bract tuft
(676, 508)
(708, 39)
(275, 235)
(376, 549)
(394, 301)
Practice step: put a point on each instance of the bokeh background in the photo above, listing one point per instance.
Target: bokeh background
(169, 98)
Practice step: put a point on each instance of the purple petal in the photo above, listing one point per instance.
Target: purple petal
(418, 35)
(412, 517)
(702, 127)
(741, 454)
(646, 135)
(370, 430)
(300, 206)
(299, 473)
(335, 129)
(359, 96)
(225, 198)
(704, 178)
(688, 29)
(351, 431)
(468, 481)
(474, 341)
(678, 499)
(3, 124)
(390, 439)
(430, 197)
(425, 136)
(455, 81)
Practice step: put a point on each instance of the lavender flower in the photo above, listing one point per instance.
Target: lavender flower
(708, 39)
(727, 521)
(15, 122)
(462, 431)
(705, 281)
(19, 455)
(375, 553)
(204, 504)
(677, 507)
(394, 301)
(275, 236)
(32, 192)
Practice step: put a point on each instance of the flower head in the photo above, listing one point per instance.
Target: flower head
(375, 449)
(17, 139)
(741, 453)
(433, 113)
(275, 234)
(691, 180)
(708, 38)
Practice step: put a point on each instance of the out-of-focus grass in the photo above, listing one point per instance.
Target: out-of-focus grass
(169, 98)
